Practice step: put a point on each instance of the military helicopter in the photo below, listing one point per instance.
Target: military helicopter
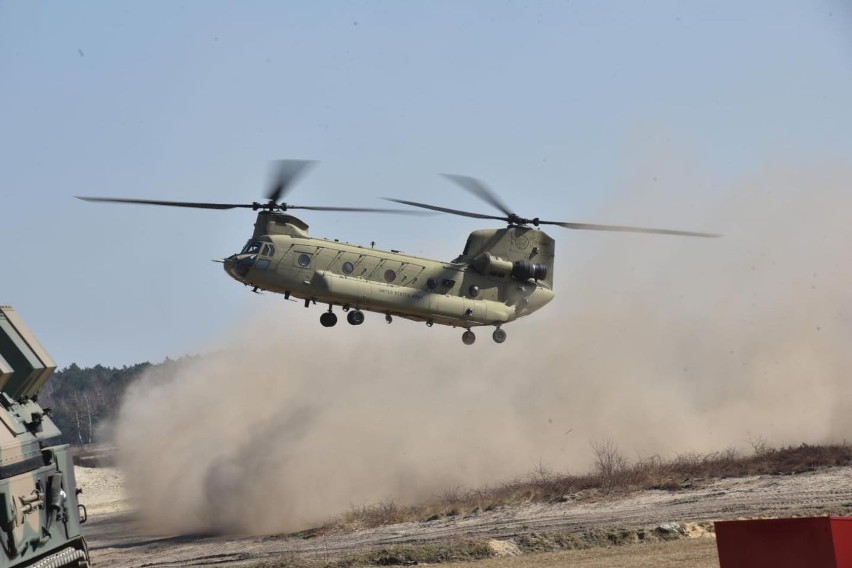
(501, 275)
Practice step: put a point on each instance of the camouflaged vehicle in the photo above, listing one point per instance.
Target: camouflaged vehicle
(39, 515)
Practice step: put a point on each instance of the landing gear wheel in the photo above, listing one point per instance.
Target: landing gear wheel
(388, 318)
(499, 335)
(468, 337)
(355, 317)
(328, 319)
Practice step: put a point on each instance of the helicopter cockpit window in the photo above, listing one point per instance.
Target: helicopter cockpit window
(252, 247)
(268, 250)
(304, 260)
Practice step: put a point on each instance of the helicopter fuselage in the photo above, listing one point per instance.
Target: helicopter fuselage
(489, 284)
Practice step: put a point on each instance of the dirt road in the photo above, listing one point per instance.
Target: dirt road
(117, 538)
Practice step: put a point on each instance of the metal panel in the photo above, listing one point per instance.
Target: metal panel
(31, 364)
(6, 371)
(779, 543)
(841, 534)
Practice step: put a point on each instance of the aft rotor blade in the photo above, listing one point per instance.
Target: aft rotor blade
(445, 209)
(284, 173)
(621, 229)
(191, 204)
(478, 188)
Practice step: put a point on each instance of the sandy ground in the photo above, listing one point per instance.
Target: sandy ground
(117, 538)
(103, 490)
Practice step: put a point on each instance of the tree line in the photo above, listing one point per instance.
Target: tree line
(83, 400)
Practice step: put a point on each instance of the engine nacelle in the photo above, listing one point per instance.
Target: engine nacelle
(527, 270)
(491, 265)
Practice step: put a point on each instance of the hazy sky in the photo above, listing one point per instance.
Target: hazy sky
(559, 106)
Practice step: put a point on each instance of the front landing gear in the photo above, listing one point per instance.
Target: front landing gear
(355, 317)
(468, 337)
(499, 335)
(328, 319)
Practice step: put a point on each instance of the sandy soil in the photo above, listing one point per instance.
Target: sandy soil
(103, 490)
(117, 538)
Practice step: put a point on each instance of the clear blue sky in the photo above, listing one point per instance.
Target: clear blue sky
(548, 102)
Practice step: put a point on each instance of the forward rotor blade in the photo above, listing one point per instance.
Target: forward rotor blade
(197, 205)
(478, 188)
(284, 173)
(445, 209)
(190, 204)
(357, 209)
(621, 229)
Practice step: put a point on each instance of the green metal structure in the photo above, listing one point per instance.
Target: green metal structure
(40, 517)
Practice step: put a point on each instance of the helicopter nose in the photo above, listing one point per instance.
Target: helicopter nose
(238, 266)
(229, 266)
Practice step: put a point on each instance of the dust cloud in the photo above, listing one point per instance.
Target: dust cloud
(664, 345)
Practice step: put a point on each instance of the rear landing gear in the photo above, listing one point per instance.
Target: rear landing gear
(355, 317)
(499, 335)
(328, 319)
(468, 337)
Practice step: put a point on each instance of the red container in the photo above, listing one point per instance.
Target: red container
(817, 542)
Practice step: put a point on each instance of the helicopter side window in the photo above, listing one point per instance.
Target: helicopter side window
(304, 260)
(348, 267)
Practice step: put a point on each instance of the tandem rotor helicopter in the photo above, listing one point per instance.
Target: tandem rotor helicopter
(502, 274)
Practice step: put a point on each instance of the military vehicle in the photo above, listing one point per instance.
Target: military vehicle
(502, 275)
(40, 517)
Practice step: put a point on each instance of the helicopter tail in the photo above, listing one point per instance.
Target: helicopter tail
(523, 253)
